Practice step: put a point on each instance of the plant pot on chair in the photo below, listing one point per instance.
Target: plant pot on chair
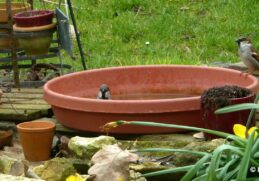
(36, 139)
(33, 18)
(219, 97)
(35, 40)
(16, 7)
(6, 43)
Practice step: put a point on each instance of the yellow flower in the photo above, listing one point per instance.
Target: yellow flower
(240, 130)
(121, 178)
(76, 177)
(108, 126)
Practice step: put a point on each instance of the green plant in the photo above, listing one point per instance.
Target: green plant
(229, 161)
(240, 107)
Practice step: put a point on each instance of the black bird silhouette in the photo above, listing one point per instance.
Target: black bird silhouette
(104, 92)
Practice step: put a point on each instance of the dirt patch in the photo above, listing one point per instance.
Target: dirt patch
(218, 97)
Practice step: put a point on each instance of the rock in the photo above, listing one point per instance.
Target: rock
(175, 159)
(57, 169)
(159, 141)
(181, 159)
(12, 166)
(238, 66)
(14, 151)
(4, 177)
(85, 148)
(135, 176)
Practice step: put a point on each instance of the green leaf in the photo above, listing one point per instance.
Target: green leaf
(216, 159)
(256, 155)
(190, 128)
(237, 140)
(191, 173)
(246, 158)
(252, 179)
(256, 146)
(237, 107)
(225, 169)
(204, 176)
(168, 171)
(231, 174)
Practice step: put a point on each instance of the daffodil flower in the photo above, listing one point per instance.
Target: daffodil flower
(121, 178)
(240, 130)
(76, 177)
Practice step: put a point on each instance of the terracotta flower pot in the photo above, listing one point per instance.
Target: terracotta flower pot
(6, 138)
(15, 7)
(35, 40)
(33, 18)
(225, 122)
(36, 139)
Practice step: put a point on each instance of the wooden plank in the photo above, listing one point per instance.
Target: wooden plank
(12, 115)
(27, 90)
(21, 95)
(24, 101)
(24, 106)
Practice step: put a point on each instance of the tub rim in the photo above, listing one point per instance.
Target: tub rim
(132, 106)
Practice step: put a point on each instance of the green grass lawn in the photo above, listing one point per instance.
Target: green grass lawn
(115, 32)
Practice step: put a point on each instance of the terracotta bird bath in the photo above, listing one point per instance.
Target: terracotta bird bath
(165, 93)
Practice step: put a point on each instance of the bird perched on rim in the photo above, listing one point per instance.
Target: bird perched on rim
(248, 54)
(104, 92)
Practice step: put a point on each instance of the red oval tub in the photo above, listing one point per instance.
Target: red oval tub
(73, 96)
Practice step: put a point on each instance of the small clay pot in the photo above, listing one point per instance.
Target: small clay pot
(36, 139)
(33, 18)
(15, 8)
(225, 122)
(5, 138)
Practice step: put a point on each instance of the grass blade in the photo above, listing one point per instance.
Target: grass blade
(231, 174)
(191, 173)
(252, 112)
(225, 169)
(168, 171)
(216, 158)
(190, 128)
(246, 158)
(238, 107)
(255, 146)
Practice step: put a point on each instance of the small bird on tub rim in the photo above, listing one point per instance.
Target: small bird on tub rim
(248, 54)
(104, 92)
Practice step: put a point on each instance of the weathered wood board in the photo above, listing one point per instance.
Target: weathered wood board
(24, 104)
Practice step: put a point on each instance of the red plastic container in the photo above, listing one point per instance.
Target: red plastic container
(225, 122)
(73, 96)
(33, 18)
